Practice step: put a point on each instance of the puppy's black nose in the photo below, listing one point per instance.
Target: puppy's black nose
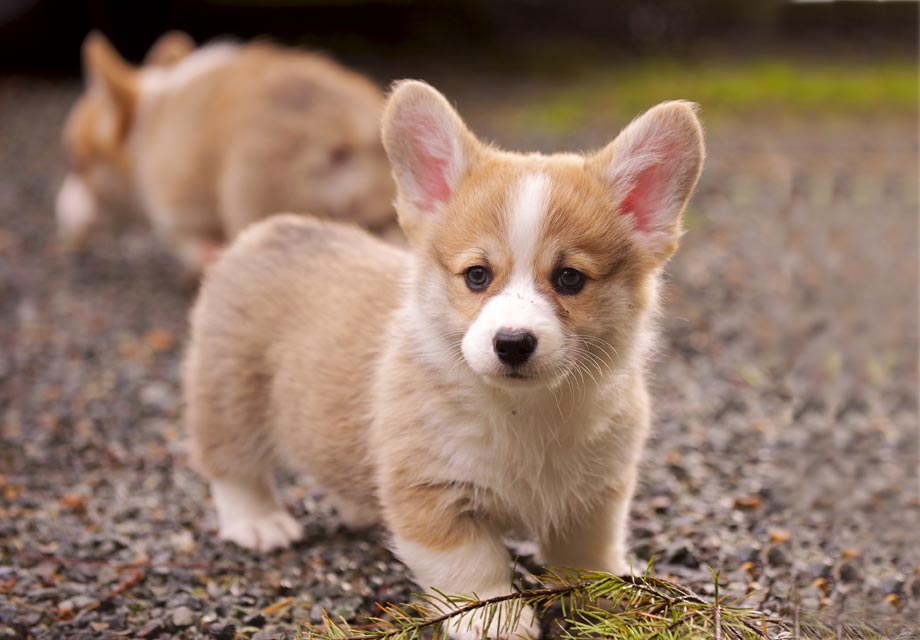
(514, 347)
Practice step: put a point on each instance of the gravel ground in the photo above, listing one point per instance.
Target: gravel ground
(786, 445)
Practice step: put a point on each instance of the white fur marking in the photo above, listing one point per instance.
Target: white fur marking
(519, 305)
(526, 219)
(158, 80)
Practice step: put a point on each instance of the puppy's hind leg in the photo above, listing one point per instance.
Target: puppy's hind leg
(237, 458)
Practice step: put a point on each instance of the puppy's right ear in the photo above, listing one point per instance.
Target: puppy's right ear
(169, 49)
(106, 71)
(429, 147)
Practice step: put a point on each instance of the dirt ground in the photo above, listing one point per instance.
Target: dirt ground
(786, 446)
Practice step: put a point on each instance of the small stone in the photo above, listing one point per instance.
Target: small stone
(222, 631)
(892, 584)
(643, 551)
(848, 572)
(151, 629)
(158, 396)
(820, 569)
(183, 617)
(660, 503)
(258, 620)
(777, 557)
(682, 553)
(749, 553)
(914, 588)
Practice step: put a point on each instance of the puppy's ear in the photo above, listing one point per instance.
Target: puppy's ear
(108, 73)
(169, 49)
(430, 150)
(651, 169)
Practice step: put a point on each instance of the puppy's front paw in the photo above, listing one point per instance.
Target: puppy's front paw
(275, 530)
(477, 626)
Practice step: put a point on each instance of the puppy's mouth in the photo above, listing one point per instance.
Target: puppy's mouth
(513, 379)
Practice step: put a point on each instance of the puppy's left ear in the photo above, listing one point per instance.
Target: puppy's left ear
(429, 148)
(110, 75)
(651, 169)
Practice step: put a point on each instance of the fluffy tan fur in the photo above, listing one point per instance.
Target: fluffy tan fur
(205, 141)
(317, 346)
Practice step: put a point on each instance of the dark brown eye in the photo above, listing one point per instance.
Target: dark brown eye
(568, 281)
(478, 278)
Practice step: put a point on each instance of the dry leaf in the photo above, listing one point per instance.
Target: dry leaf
(73, 502)
(278, 606)
(748, 502)
(158, 340)
(780, 535)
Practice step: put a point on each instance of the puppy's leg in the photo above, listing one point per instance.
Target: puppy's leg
(77, 213)
(225, 406)
(597, 540)
(457, 555)
(250, 514)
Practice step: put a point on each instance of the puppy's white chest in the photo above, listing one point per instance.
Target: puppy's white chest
(531, 466)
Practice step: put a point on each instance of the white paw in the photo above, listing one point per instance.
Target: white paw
(473, 627)
(275, 530)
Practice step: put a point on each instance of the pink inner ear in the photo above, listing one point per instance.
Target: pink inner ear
(431, 180)
(429, 166)
(641, 201)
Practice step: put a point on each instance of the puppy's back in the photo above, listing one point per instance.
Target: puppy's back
(278, 317)
(239, 132)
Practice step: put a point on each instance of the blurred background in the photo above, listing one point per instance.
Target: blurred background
(786, 448)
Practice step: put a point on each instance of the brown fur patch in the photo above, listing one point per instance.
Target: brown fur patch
(440, 516)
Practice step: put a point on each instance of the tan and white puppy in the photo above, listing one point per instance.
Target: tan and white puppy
(490, 381)
(206, 141)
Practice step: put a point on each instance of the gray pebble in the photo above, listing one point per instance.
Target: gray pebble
(151, 629)
(892, 584)
(183, 617)
(777, 556)
(682, 553)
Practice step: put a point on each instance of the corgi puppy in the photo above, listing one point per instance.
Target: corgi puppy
(205, 141)
(489, 381)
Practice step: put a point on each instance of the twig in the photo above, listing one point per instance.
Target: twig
(137, 576)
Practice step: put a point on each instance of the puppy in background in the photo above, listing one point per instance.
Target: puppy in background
(205, 141)
(490, 381)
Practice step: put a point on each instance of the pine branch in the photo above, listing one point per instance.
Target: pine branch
(640, 607)
(594, 605)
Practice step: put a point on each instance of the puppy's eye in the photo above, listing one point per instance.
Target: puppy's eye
(568, 281)
(478, 278)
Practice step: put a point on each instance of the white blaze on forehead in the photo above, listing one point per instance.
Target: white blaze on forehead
(519, 305)
(527, 211)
